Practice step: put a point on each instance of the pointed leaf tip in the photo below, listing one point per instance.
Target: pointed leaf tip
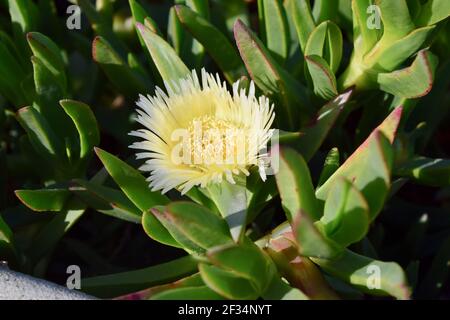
(140, 26)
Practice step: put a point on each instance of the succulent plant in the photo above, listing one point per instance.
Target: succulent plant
(356, 93)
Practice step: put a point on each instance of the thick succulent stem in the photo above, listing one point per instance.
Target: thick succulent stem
(299, 271)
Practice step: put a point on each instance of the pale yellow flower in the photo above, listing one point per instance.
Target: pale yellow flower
(199, 133)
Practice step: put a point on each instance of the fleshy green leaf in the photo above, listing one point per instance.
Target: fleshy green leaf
(106, 200)
(24, 18)
(370, 165)
(270, 77)
(117, 69)
(433, 172)
(23, 14)
(346, 214)
(334, 46)
(214, 41)
(231, 10)
(11, 71)
(7, 248)
(112, 285)
(155, 230)
(412, 82)
(190, 293)
(402, 49)
(100, 18)
(86, 125)
(325, 10)
(49, 54)
(191, 281)
(245, 260)
(227, 284)
(295, 185)
(362, 33)
(287, 137)
(231, 200)
(47, 238)
(193, 226)
(50, 91)
(323, 78)
(151, 24)
(200, 6)
(136, 66)
(432, 12)
(276, 28)
(176, 35)
(137, 10)
(316, 40)
(41, 136)
(323, 55)
(259, 194)
(364, 273)
(303, 20)
(131, 182)
(326, 42)
(189, 49)
(310, 240)
(140, 15)
(280, 290)
(330, 166)
(414, 6)
(47, 86)
(396, 19)
(170, 66)
(44, 199)
(197, 194)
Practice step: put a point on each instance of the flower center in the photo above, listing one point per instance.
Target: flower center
(216, 142)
